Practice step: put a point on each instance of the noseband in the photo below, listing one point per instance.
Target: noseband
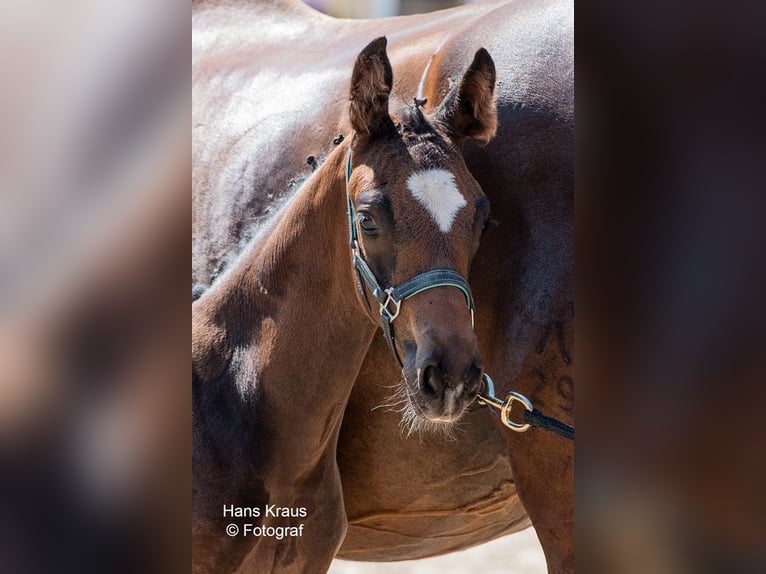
(390, 299)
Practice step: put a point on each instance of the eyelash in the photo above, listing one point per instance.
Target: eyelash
(364, 217)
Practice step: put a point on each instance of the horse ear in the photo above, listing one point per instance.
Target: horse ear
(371, 84)
(469, 110)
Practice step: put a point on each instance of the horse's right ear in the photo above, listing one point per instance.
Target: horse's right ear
(371, 84)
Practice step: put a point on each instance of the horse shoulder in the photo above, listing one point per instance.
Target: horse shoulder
(210, 351)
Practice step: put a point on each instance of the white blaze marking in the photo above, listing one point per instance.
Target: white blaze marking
(437, 191)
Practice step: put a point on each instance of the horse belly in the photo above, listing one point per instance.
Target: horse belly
(423, 495)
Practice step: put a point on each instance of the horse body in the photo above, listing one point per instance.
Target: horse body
(266, 78)
(261, 105)
(247, 382)
(273, 367)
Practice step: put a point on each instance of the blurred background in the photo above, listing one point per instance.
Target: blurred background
(94, 321)
(379, 8)
(94, 247)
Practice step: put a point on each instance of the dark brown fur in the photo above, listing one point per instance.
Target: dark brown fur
(405, 498)
(279, 339)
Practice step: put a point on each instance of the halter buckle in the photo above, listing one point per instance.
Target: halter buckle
(384, 307)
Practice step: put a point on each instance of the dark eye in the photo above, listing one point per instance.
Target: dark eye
(367, 224)
(485, 226)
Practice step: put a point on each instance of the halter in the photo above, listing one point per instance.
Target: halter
(390, 299)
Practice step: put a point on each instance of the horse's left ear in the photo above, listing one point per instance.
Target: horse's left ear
(469, 110)
(371, 84)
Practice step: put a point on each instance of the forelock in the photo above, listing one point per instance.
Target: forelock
(428, 147)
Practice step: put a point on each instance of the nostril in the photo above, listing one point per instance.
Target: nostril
(430, 381)
(472, 378)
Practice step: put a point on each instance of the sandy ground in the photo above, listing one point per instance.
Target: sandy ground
(518, 553)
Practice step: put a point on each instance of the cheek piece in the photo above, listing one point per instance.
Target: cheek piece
(390, 299)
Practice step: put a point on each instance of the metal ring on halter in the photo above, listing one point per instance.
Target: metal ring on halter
(489, 389)
(390, 299)
(505, 411)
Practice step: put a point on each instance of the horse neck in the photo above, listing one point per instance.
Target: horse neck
(288, 319)
(305, 262)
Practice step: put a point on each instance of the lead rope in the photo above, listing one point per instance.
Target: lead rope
(532, 416)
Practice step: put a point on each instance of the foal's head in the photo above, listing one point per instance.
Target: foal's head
(417, 208)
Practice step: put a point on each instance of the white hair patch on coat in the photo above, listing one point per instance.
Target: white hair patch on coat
(437, 191)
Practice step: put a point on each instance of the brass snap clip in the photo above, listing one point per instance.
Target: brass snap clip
(487, 397)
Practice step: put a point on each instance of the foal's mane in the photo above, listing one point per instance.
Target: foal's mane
(262, 237)
(422, 137)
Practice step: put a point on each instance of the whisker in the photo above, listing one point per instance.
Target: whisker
(412, 422)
